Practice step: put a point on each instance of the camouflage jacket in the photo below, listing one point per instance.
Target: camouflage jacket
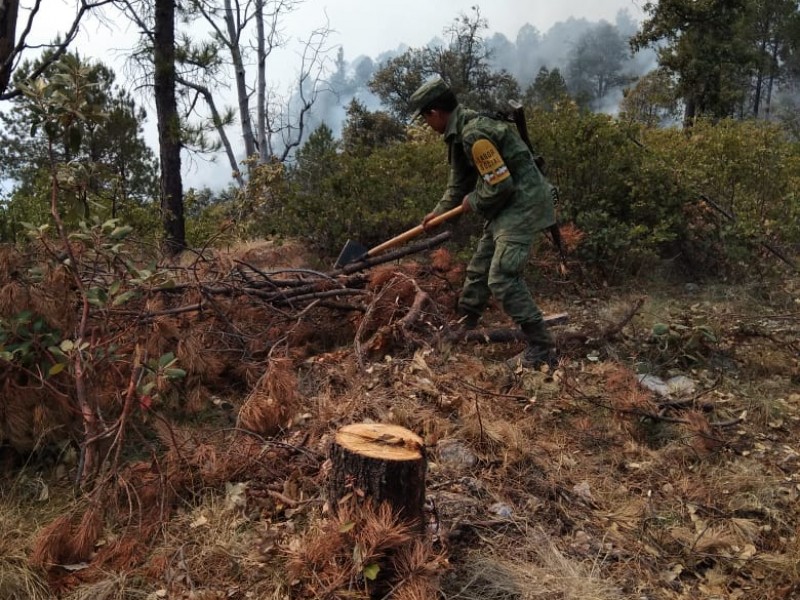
(490, 162)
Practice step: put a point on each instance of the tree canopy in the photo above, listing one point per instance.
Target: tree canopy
(75, 114)
(722, 52)
(463, 63)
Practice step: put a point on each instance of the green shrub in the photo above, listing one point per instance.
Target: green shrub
(627, 207)
(638, 195)
(742, 179)
(367, 198)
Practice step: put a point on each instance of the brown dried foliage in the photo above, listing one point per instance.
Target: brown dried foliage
(273, 400)
(48, 299)
(124, 554)
(627, 398)
(397, 306)
(221, 347)
(14, 298)
(441, 260)
(144, 497)
(571, 236)
(704, 440)
(88, 532)
(11, 261)
(269, 254)
(18, 424)
(48, 413)
(324, 562)
(53, 544)
(157, 566)
(197, 396)
(421, 569)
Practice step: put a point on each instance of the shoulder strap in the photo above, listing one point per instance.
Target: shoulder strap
(497, 115)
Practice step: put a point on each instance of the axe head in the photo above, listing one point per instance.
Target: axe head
(352, 252)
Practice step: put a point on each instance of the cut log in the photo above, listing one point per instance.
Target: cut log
(381, 463)
(493, 336)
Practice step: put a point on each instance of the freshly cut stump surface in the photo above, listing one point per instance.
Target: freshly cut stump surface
(384, 463)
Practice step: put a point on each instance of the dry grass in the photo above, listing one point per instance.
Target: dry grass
(544, 573)
(26, 505)
(577, 485)
(114, 586)
(18, 581)
(210, 547)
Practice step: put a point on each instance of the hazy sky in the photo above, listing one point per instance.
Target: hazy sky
(368, 26)
(362, 27)
(372, 26)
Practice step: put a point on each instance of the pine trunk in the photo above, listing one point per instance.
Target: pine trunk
(169, 127)
(8, 27)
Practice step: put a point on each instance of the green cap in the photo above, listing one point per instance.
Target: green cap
(425, 95)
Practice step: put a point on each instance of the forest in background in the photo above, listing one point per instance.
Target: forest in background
(174, 362)
(74, 124)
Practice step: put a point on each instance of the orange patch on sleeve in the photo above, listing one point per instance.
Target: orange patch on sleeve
(489, 162)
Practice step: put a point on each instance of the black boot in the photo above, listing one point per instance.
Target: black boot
(540, 350)
(467, 321)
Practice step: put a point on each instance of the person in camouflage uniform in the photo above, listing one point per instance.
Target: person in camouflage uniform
(492, 173)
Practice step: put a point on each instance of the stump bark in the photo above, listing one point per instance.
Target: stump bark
(384, 463)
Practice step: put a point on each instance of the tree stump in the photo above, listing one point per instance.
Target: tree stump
(385, 463)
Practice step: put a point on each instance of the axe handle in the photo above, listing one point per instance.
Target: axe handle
(414, 232)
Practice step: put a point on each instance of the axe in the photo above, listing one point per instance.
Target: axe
(355, 252)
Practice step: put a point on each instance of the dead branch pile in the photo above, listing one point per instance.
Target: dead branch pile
(578, 482)
(229, 323)
(226, 320)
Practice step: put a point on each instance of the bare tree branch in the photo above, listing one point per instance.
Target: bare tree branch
(310, 77)
(219, 124)
(60, 48)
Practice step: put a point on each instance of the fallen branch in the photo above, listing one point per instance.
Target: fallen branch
(644, 414)
(323, 294)
(499, 335)
(594, 338)
(486, 392)
(313, 286)
(401, 326)
(415, 312)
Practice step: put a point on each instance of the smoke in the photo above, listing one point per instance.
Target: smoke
(348, 83)
(522, 57)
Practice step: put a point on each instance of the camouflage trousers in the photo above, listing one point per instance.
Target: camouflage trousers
(497, 269)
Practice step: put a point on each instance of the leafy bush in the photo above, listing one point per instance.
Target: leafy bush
(25, 339)
(627, 207)
(338, 196)
(638, 195)
(209, 217)
(742, 177)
